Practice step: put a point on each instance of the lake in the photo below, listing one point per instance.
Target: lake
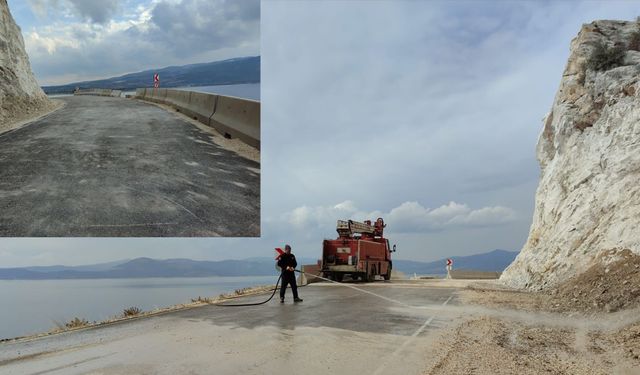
(245, 90)
(34, 306)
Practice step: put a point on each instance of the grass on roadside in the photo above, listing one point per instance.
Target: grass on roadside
(131, 311)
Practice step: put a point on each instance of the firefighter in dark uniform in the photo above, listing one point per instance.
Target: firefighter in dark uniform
(287, 264)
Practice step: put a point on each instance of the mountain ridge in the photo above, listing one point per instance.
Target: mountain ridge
(145, 267)
(237, 70)
(493, 261)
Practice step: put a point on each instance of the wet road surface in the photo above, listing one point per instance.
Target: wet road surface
(336, 330)
(106, 167)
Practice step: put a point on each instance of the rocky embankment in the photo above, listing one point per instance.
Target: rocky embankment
(587, 210)
(20, 95)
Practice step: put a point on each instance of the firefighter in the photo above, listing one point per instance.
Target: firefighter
(287, 264)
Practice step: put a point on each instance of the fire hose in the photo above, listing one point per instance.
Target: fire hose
(257, 303)
(275, 289)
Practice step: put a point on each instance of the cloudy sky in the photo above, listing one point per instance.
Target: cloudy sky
(72, 40)
(423, 113)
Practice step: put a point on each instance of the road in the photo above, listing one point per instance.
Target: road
(108, 167)
(336, 330)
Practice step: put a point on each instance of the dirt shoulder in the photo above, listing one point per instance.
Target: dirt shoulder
(234, 144)
(487, 345)
(18, 118)
(603, 288)
(588, 325)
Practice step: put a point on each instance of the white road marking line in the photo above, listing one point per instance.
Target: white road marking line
(130, 225)
(407, 341)
(366, 291)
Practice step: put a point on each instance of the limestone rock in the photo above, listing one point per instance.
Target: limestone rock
(19, 91)
(588, 199)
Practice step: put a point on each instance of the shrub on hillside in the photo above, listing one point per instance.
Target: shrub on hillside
(634, 41)
(604, 58)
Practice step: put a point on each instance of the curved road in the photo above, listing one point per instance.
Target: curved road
(116, 167)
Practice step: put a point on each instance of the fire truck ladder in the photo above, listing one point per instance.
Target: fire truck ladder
(349, 227)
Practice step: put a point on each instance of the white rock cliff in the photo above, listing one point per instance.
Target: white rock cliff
(20, 94)
(588, 201)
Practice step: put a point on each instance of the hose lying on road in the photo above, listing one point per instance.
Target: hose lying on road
(275, 289)
(256, 303)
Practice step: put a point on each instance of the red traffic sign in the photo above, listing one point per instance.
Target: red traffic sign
(449, 262)
(279, 253)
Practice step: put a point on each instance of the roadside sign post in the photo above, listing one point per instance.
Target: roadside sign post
(449, 267)
(156, 80)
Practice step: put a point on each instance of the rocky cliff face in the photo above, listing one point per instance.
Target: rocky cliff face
(588, 201)
(19, 92)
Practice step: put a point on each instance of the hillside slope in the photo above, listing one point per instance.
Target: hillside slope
(588, 198)
(225, 72)
(20, 94)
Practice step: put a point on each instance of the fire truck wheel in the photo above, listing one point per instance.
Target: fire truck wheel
(387, 276)
(371, 276)
(339, 277)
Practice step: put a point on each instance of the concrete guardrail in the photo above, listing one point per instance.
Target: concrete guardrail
(155, 95)
(309, 271)
(98, 92)
(238, 117)
(233, 117)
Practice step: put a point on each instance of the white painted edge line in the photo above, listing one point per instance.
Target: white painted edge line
(408, 340)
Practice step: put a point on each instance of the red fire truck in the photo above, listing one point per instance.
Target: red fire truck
(360, 251)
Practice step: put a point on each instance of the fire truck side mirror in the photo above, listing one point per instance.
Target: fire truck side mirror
(394, 249)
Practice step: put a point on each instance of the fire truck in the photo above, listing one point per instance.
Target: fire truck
(360, 251)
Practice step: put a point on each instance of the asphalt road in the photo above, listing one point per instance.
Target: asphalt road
(336, 330)
(117, 167)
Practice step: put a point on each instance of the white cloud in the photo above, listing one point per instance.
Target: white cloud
(408, 217)
(142, 36)
(379, 102)
(50, 44)
(97, 11)
(305, 217)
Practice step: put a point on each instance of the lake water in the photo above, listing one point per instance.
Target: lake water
(245, 90)
(34, 306)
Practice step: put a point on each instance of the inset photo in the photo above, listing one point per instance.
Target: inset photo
(129, 119)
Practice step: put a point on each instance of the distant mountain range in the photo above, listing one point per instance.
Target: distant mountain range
(145, 267)
(496, 260)
(225, 72)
